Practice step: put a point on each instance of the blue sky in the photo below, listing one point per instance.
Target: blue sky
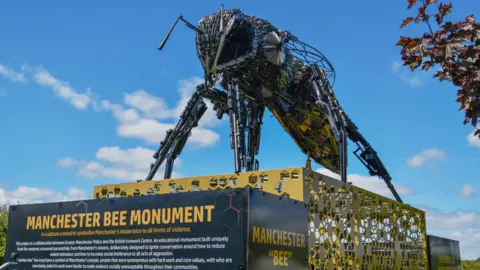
(85, 98)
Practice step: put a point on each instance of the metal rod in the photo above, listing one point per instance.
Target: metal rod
(175, 139)
(5, 265)
(160, 47)
(189, 25)
(221, 19)
(234, 126)
(343, 156)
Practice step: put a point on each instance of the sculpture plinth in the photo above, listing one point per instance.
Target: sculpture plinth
(349, 227)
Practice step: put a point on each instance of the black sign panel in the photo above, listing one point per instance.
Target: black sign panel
(195, 230)
(444, 254)
(278, 231)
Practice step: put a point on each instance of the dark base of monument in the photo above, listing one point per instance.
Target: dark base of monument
(217, 229)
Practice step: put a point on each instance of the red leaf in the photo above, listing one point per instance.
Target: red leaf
(427, 65)
(407, 21)
(440, 75)
(470, 19)
(441, 33)
(403, 41)
(443, 11)
(411, 3)
(439, 18)
(446, 8)
(422, 11)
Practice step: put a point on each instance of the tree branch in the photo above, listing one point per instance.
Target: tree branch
(428, 18)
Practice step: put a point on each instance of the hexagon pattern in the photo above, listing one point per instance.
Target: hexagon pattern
(285, 182)
(352, 228)
(349, 227)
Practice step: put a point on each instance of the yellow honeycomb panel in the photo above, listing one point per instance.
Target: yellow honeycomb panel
(349, 227)
(352, 228)
(283, 182)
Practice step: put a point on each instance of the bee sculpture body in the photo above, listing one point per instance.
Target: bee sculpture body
(259, 67)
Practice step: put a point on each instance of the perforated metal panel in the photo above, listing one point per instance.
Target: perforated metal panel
(349, 227)
(352, 228)
(284, 182)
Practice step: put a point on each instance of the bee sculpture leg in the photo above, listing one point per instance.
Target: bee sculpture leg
(243, 118)
(255, 116)
(217, 97)
(325, 98)
(238, 120)
(224, 102)
(176, 138)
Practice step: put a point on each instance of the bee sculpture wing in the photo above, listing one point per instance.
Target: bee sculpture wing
(305, 114)
(308, 55)
(329, 114)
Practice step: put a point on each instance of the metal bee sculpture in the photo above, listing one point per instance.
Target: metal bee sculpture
(260, 66)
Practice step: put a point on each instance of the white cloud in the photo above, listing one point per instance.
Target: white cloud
(396, 66)
(467, 190)
(25, 194)
(186, 89)
(463, 226)
(414, 81)
(12, 75)
(150, 106)
(62, 89)
(141, 120)
(142, 116)
(68, 162)
(473, 140)
(119, 112)
(408, 76)
(116, 163)
(152, 132)
(156, 108)
(469, 239)
(452, 220)
(421, 159)
(138, 116)
(95, 169)
(138, 157)
(370, 183)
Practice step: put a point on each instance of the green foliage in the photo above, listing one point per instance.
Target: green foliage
(471, 265)
(3, 231)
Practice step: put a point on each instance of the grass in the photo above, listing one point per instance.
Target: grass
(471, 265)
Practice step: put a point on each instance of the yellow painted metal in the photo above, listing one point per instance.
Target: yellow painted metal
(352, 228)
(349, 227)
(283, 182)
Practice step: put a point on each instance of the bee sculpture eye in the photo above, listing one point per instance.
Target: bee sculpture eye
(238, 43)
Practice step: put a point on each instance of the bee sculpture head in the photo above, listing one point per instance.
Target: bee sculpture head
(228, 39)
(231, 42)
